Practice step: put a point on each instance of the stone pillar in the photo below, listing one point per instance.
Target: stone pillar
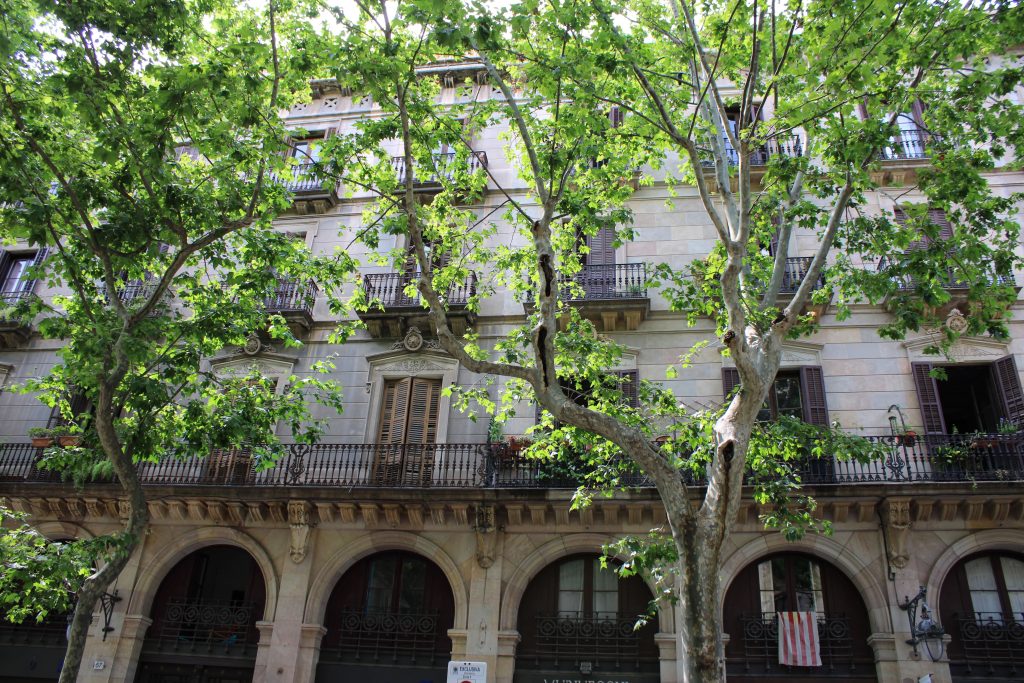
(266, 630)
(283, 659)
(481, 643)
(506, 658)
(309, 652)
(128, 648)
(667, 648)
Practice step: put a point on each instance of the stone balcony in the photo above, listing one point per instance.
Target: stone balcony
(392, 312)
(613, 297)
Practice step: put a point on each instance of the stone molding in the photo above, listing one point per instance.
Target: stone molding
(966, 349)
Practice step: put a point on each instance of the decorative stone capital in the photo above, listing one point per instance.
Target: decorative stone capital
(486, 535)
(896, 517)
(300, 524)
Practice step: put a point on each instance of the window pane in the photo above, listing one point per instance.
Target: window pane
(1013, 574)
(570, 588)
(412, 597)
(767, 589)
(982, 583)
(787, 396)
(606, 591)
(15, 278)
(779, 584)
(381, 585)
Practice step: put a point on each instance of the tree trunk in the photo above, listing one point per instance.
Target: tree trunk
(699, 620)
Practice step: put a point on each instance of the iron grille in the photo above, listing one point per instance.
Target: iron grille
(397, 637)
(606, 640)
(990, 642)
(761, 645)
(206, 626)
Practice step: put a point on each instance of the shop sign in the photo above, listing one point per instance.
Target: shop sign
(467, 672)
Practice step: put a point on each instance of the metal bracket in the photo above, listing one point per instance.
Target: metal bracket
(108, 600)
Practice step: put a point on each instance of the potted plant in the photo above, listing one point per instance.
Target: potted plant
(908, 438)
(66, 436)
(41, 437)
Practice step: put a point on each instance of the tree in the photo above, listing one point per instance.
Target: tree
(143, 147)
(705, 88)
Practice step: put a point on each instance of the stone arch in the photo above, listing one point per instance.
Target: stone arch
(550, 552)
(157, 567)
(323, 584)
(977, 542)
(859, 571)
(58, 529)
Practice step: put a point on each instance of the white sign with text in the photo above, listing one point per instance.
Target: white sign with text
(467, 672)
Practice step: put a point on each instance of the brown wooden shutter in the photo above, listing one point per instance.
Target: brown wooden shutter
(40, 256)
(602, 248)
(424, 400)
(394, 411)
(730, 380)
(928, 397)
(615, 116)
(812, 381)
(939, 218)
(1008, 383)
(630, 386)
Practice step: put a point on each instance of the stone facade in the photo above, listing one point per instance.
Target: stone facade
(324, 515)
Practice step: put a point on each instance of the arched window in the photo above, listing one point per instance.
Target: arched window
(794, 582)
(982, 608)
(390, 610)
(579, 616)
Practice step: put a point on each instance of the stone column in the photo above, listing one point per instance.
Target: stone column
(481, 642)
(128, 648)
(283, 659)
(667, 648)
(309, 652)
(506, 659)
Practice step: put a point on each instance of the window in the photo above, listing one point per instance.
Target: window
(396, 584)
(796, 392)
(935, 216)
(409, 411)
(587, 589)
(307, 151)
(14, 271)
(790, 583)
(972, 398)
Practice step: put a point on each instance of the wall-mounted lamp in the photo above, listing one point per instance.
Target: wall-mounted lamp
(927, 631)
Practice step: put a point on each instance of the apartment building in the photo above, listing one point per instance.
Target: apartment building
(405, 539)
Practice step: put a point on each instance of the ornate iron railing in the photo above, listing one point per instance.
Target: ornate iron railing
(603, 282)
(783, 145)
(205, 627)
(444, 168)
(292, 296)
(606, 640)
(796, 271)
(50, 632)
(897, 459)
(396, 637)
(304, 178)
(760, 646)
(948, 281)
(909, 144)
(988, 642)
(389, 290)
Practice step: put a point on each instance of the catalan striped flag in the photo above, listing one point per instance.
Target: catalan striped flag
(798, 639)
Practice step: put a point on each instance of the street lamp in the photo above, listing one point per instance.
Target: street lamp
(927, 631)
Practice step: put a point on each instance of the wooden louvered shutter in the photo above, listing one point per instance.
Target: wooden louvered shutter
(602, 248)
(615, 116)
(1008, 383)
(630, 386)
(30, 284)
(394, 411)
(928, 397)
(939, 218)
(730, 380)
(424, 400)
(5, 264)
(812, 381)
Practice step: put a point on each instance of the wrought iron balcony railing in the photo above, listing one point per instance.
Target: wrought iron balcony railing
(396, 637)
(389, 290)
(987, 643)
(760, 643)
(292, 297)
(796, 271)
(51, 632)
(783, 145)
(603, 282)
(303, 179)
(205, 627)
(893, 459)
(949, 280)
(909, 144)
(443, 168)
(607, 640)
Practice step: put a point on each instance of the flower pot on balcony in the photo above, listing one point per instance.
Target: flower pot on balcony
(907, 439)
(69, 441)
(42, 441)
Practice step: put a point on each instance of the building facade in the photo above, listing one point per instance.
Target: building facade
(405, 539)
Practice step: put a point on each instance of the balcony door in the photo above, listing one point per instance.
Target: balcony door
(407, 432)
(598, 274)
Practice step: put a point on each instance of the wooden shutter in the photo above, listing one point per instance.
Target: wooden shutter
(615, 116)
(40, 256)
(939, 218)
(812, 384)
(602, 248)
(630, 386)
(928, 397)
(1008, 383)
(424, 400)
(394, 411)
(5, 264)
(730, 380)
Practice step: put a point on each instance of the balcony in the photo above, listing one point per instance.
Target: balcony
(759, 644)
(957, 288)
(393, 312)
(204, 627)
(443, 172)
(293, 300)
(796, 271)
(310, 194)
(614, 297)
(791, 146)
(608, 641)
(908, 145)
(14, 331)
(987, 644)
